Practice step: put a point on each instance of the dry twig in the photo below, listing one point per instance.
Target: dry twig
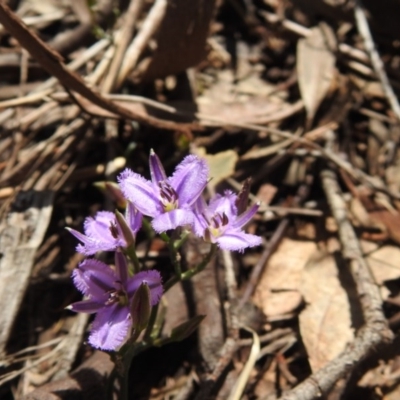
(377, 64)
(150, 26)
(122, 39)
(375, 330)
(52, 62)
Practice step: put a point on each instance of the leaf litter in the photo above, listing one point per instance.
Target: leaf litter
(275, 91)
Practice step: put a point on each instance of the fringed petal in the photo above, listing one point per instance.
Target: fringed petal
(110, 328)
(153, 280)
(172, 219)
(140, 192)
(189, 179)
(237, 240)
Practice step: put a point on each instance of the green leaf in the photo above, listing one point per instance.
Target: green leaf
(186, 329)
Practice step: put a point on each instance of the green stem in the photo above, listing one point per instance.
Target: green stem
(194, 271)
(127, 358)
(148, 230)
(175, 257)
(150, 325)
(164, 237)
(131, 253)
(191, 272)
(133, 349)
(182, 240)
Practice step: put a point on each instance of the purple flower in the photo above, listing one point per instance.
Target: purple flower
(104, 233)
(169, 201)
(109, 295)
(220, 223)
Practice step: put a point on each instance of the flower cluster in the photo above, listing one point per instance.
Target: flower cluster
(171, 202)
(109, 294)
(177, 201)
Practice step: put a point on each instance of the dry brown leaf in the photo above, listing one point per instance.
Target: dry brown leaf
(392, 175)
(325, 324)
(385, 377)
(361, 215)
(391, 221)
(377, 213)
(315, 67)
(383, 261)
(222, 165)
(247, 101)
(278, 290)
(266, 193)
(379, 134)
(393, 395)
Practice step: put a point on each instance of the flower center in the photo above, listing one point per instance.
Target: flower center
(216, 226)
(117, 296)
(168, 196)
(114, 230)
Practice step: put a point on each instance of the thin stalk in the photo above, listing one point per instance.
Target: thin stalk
(191, 272)
(175, 256)
(149, 330)
(182, 240)
(165, 237)
(127, 358)
(131, 253)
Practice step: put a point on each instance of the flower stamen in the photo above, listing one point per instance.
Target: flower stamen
(118, 295)
(168, 196)
(216, 227)
(114, 230)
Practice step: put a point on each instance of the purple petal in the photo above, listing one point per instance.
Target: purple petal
(89, 247)
(153, 279)
(94, 278)
(199, 223)
(172, 219)
(99, 226)
(189, 179)
(140, 192)
(110, 327)
(98, 235)
(93, 246)
(156, 169)
(237, 241)
(224, 204)
(133, 217)
(86, 306)
(244, 218)
(80, 236)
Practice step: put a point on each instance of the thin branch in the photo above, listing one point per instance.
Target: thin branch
(375, 330)
(149, 28)
(52, 62)
(122, 39)
(377, 64)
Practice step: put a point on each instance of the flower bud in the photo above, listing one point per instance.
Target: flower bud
(125, 229)
(243, 197)
(140, 308)
(112, 190)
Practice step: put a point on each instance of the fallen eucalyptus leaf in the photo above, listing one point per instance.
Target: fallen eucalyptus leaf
(315, 67)
(325, 323)
(222, 165)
